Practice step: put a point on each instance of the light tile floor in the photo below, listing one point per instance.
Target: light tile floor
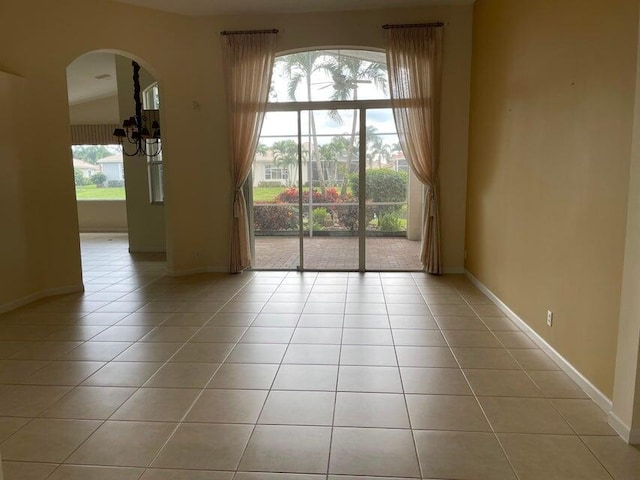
(286, 376)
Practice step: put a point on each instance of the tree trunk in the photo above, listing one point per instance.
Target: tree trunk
(313, 149)
(352, 145)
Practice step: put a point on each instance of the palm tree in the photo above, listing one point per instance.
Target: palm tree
(262, 149)
(377, 150)
(332, 153)
(299, 68)
(285, 155)
(396, 149)
(347, 73)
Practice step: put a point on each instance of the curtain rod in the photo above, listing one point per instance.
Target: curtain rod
(248, 32)
(413, 25)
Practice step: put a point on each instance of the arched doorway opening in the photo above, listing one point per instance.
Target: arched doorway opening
(119, 197)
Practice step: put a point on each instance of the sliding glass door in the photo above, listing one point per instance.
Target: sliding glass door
(276, 194)
(331, 190)
(330, 208)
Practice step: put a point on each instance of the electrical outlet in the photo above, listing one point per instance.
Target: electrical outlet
(549, 318)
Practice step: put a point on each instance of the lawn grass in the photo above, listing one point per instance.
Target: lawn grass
(266, 194)
(91, 192)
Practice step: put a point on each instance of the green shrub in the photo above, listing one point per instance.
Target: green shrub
(115, 183)
(99, 179)
(383, 185)
(272, 218)
(389, 222)
(79, 177)
(354, 183)
(320, 215)
(348, 216)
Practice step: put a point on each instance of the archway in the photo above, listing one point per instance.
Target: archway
(116, 194)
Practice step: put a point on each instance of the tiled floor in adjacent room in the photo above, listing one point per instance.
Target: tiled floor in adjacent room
(276, 376)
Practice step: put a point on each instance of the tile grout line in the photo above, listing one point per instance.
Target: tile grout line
(103, 422)
(404, 394)
(548, 400)
(266, 398)
(204, 388)
(475, 396)
(335, 396)
(288, 345)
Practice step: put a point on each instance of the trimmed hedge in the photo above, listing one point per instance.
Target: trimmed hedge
(274, 217)
(383, 185)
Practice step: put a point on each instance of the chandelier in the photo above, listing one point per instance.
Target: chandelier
(135, 130)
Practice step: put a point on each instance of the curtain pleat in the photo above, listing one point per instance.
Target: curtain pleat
(414, 60)
(93, 134)
(248, 62)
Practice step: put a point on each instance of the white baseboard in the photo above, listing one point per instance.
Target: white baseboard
(630, 435)
(5, 307)
(148, 250)
(596, 395)
(104, 230)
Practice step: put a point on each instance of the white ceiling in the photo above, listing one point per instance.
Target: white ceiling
(81, 82)
(217, 7)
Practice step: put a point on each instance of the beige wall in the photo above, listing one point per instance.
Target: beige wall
(626, 393)
(103, 111)
(362, 29)
(52, 232)
(552, 102)
(14, 254)
(183, 53)
(102, 215)
(36, 257)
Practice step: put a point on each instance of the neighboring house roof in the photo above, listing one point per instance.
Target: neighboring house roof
(112, 159)
(84, 165)
(266, 157)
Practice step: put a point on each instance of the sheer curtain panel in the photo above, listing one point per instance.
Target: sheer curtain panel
(414, 60)
(248, 62)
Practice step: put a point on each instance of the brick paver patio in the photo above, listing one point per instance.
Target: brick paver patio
(337, 253)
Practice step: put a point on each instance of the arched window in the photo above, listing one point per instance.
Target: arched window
(329, 75)
(151, 97)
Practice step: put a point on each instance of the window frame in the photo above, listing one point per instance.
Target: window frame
(271, 168)
(100, 170)
(155, 170)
